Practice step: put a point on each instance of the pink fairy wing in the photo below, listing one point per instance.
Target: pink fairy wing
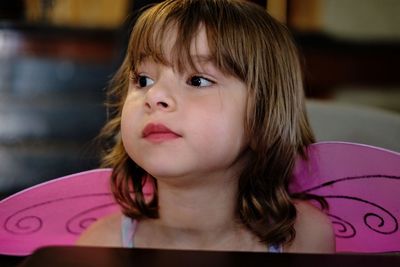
(362, 186)
(55, 212)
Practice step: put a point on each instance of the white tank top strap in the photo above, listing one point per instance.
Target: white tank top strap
(128, 228)
(275, 248)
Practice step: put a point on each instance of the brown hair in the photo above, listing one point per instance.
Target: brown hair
(249, 44)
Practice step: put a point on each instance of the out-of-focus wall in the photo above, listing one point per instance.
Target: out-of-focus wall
(78, 13)
(356, 20)
(362, 20)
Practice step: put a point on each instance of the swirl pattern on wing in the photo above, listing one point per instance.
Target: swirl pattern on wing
(78, 223)
(374, 220)
(344, 229)
(31, 219)
(378, 219)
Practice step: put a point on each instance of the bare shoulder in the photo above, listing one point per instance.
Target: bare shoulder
(104, 232)
(314, 231)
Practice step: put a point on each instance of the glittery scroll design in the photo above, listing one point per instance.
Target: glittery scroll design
(361, 183)
(81, 221)
(55, 212)
(30, 220)
(375, 217)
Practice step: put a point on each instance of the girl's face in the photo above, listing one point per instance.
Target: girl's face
(186, 124)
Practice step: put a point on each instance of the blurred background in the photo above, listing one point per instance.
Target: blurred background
(57, 56)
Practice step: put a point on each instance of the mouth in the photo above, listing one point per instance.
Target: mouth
(157, 133)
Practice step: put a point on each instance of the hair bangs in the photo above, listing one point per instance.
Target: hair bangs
(154, 30)
(182, 22)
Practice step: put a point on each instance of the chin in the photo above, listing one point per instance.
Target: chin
(156, 166)
(164, 172)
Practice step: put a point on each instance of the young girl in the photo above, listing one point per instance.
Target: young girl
(208, 109)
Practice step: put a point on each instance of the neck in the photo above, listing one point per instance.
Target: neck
(202, 216)
(199, 208)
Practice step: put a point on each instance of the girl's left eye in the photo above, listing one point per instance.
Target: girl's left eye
(198, 81)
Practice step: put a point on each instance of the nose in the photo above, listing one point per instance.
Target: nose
(160, 97)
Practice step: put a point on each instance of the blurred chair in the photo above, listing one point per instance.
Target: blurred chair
(359, 124)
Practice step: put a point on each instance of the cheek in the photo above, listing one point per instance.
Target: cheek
(126, 129)
(131, 110)
(129, 123)
(125, 119)
(221, 129)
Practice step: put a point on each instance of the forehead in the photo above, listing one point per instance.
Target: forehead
(175, 50)
(199, 45)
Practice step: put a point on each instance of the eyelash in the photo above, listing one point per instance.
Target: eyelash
(190, 81)
(136, 78)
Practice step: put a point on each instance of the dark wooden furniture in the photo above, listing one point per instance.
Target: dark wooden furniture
(104, 257)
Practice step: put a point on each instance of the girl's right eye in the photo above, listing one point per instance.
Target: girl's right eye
(143, 81)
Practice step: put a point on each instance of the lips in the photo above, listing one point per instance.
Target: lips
(158, 133)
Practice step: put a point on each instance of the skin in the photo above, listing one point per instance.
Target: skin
(197, 170)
